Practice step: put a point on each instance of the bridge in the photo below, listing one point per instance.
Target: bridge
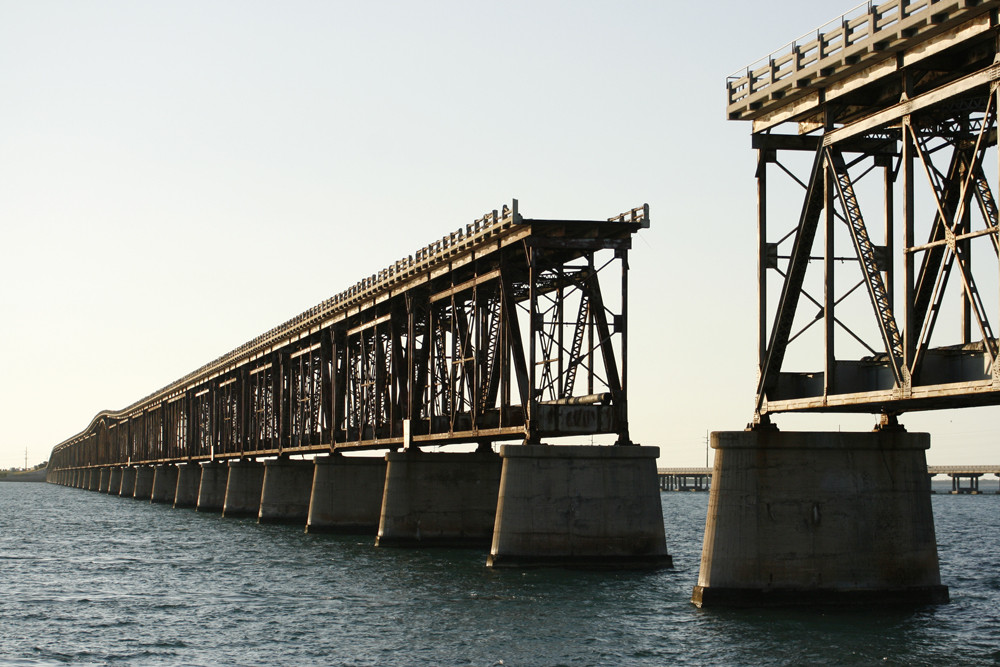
(877, 247)
(509, 329)
(700, 479)
(971, 474)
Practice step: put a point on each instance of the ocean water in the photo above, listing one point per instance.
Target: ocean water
(91, 579)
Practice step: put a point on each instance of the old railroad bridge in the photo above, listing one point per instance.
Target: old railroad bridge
(511, 329)
(877, 222)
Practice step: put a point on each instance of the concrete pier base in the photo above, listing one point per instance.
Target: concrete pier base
(115, 481)
(104, 480)
(143, 482)
(188, 481)
(246, 480)
(346, 494)
(212, 486)
(582, 506)
(284, 496)
(439, 499)
(127, 488)
(819, 518)
(164, 483)
(94, 479)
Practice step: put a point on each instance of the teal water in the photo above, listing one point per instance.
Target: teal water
(90, 579)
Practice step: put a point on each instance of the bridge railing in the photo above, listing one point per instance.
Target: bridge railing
(863, 33)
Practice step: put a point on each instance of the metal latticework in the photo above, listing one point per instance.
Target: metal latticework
(896, 103)
(510, 329)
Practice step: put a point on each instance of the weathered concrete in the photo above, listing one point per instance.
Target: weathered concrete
(284, 496)
(94, 480)
(164, 483)
(246, 480)
(127, 488)
(143, 482)
(212, 486)
(188, 481)
(347, 494)
(579, 506)
(104, 480)
(439, 499)
(115, 480)
(819, 518)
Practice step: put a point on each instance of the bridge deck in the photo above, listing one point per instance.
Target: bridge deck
(861, 47)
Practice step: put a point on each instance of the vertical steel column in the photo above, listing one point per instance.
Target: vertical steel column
(829, 273)
(762, 258)
(621, 400)
(910, 333)
(531, 429)
(889, 236)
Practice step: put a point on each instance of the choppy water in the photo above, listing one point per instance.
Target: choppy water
(87, 578)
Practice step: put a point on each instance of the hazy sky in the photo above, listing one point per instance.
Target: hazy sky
(178, 177)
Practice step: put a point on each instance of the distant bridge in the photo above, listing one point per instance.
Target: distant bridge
(700, 479)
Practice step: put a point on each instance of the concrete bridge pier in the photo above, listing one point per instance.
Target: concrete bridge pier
(284, 496)
(164, 483)
(115, 480)
(93, 479)
(439, 499)
(188, 481)
(346, 494)
(144, 482)
(104, 480)
(819, 518)
(127, 488)
(243, 488)
(591, 506)
(212, 486)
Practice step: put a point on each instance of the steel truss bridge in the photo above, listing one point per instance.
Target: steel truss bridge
(885, 123)
(510, 328)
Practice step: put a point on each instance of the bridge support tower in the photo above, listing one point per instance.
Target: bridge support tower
(819, 518)
(212, 486)
(346, 494)
(243, 488)
(285, 491)
(127, 488)
(579, 506)
(188, 481)
(144, 482)
(115, 480)
(164, 483)
(439, 499)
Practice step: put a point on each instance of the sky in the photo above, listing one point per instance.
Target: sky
(177, 178)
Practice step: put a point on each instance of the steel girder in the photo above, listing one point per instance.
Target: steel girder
(506, 330)
(936, 155)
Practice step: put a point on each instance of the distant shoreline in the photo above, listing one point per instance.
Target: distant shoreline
(31, 476)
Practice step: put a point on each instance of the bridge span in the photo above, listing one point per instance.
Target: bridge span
(509, 329)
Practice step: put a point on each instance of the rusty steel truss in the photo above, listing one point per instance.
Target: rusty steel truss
(885, 124)
(508, 329)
